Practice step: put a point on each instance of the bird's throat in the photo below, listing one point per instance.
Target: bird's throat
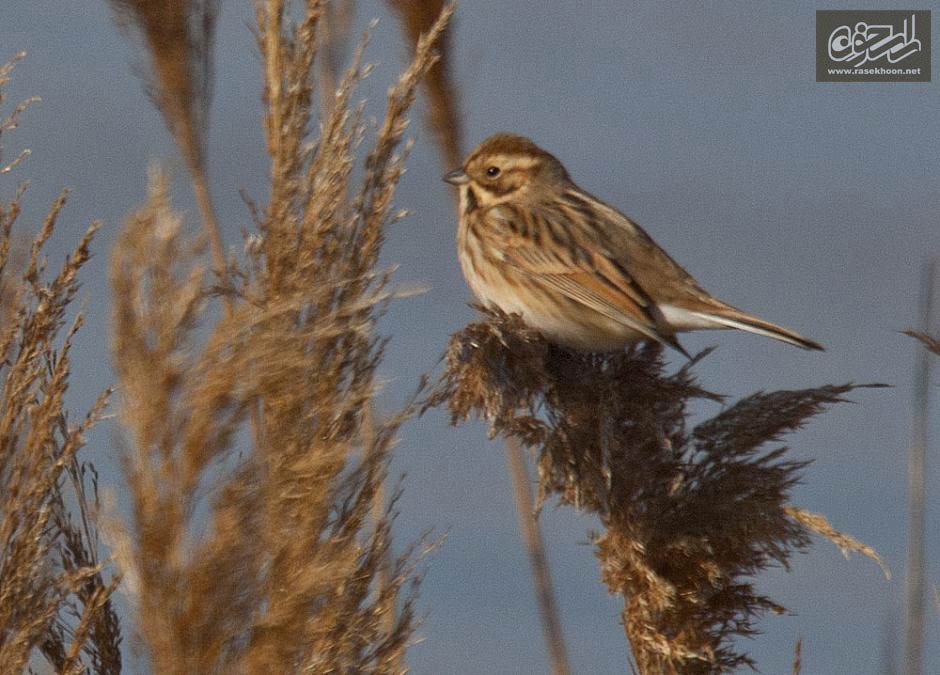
(469, 202)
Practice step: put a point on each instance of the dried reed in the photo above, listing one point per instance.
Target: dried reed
(916, 577)
(178, 35)
(930, 343)
(278, 569)
(443, 119)
(689, 515)
(54, 595)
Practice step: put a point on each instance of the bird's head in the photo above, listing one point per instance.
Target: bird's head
(506, 166)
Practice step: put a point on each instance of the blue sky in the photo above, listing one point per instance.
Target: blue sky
(811, 204)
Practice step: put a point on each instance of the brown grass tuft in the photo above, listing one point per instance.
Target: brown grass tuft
(690, 515)
(54, 596)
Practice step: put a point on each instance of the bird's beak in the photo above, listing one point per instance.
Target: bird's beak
(457, 177)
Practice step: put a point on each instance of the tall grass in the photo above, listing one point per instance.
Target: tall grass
(254, 552)
(689, 514)
(55, 596)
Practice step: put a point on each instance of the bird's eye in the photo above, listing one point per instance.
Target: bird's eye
(492, 171)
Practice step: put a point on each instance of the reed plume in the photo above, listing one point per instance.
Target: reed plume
(689, 515)
(178, 36)
(255, 552)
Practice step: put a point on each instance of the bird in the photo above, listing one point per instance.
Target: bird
(577, 270)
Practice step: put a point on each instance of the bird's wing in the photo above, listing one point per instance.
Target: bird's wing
(545, 244)
(623, 240)
(672, 291)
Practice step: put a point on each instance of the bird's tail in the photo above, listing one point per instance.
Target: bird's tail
(730, 317)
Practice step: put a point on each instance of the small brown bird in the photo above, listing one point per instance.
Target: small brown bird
(532, 242)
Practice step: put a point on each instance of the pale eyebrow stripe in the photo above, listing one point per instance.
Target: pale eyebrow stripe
(515, 161)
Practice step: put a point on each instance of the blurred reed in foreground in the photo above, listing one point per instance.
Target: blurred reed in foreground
(443, 118)
(916, 582)
(178, 36)
(54, 594)
(254, 552)
(689, 515)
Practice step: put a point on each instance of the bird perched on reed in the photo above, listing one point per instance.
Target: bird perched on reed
(530, 241)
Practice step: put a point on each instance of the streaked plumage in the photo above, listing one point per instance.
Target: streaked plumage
(530, 241)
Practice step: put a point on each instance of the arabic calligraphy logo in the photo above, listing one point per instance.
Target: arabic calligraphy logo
(873, 45)
(867, 43)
